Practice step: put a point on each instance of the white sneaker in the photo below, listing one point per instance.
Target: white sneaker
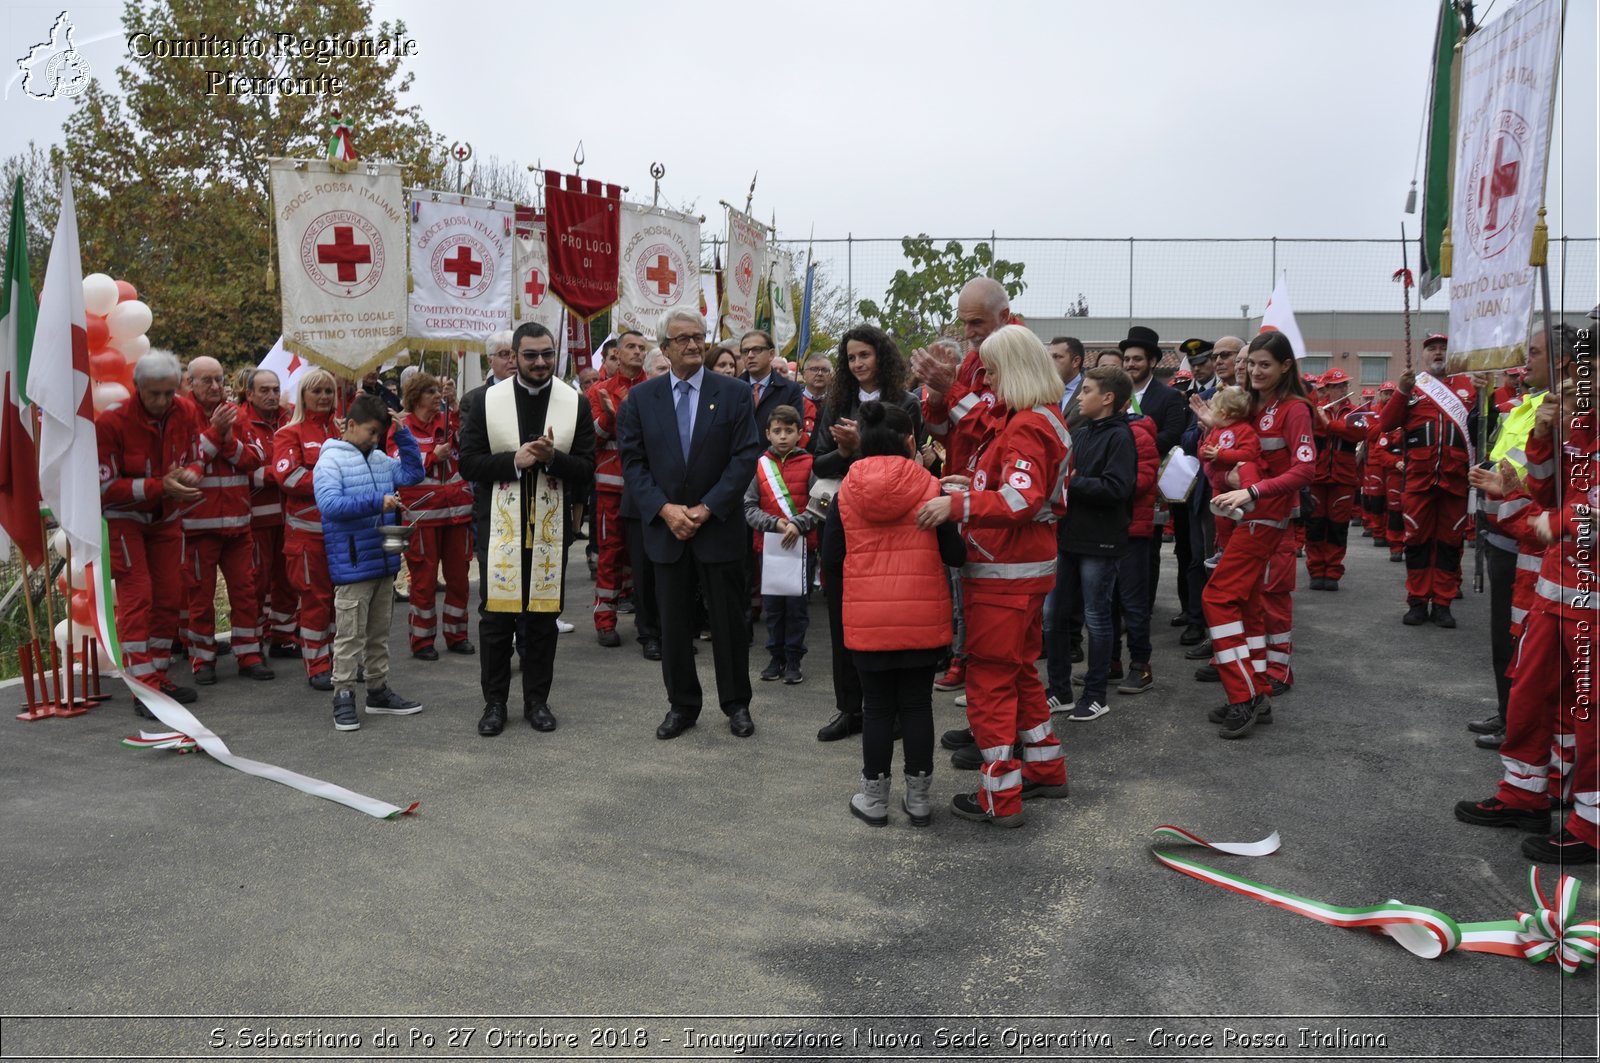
(961, 702)
(563, 627)
(1055, 704)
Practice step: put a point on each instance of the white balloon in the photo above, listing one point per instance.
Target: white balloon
(129, 319)
(108, 396)
(99, 294)
(78, 632)
(79, 578)
(58, 542)
(133, 348)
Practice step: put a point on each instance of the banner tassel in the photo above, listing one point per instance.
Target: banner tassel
(1541, 241)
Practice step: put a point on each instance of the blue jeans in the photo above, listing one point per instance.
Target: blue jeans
(1132, 606)
(787, 620)
(1094, 579)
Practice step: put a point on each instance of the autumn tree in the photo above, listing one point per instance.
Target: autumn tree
(170, 174)
(920, 301)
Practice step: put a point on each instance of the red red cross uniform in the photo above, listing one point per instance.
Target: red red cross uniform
(1372, 485)
(1434, 499)
(1018, 493)
(1333, 493)
(440, 505)
(296, 448)
(613, 574)
(1248, 595)
(136, 452)
(216, 535)
(1551, 714)
(965, 417)
(278, 602)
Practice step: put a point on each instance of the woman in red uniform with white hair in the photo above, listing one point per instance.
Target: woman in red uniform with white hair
(1008, 511)
(1247, 598)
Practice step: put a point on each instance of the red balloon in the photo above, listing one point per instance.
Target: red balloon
(62, 585)
(99, 334)
(83, 609)
(107, 365)
(126, 291)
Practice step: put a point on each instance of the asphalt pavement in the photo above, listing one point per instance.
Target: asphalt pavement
(594, 892)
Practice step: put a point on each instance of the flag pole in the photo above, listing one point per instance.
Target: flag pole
(1404, 277)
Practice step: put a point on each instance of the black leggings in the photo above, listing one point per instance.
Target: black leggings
(897, 693)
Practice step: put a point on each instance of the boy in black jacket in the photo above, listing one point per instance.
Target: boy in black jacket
(1093, 536)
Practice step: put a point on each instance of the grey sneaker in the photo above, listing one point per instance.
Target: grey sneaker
(386, 702)
(344, 712)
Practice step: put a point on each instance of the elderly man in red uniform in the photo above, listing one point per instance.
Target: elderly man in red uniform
(1431, 410)
(261, 415)
(1339, 431)
(148, 475)
(612, 571)
(216, 533)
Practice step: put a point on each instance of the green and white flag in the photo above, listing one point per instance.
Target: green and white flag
(1441, 138)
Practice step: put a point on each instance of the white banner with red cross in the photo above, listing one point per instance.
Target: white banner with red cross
(1503, 114)
(534, 301)
(659, 269)
(341, 232)
(746, 272)
(462, 268)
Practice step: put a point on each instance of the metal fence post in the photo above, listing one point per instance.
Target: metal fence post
(850, 270)
(1130, 282)
(1272, 283)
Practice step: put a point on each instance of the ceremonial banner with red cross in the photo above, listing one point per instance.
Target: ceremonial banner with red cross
(462, 270)
(780, 286)
(746, 272)
(582, 226)
(1508, 91)
(341, 233)
(534, 299)
(660, 267)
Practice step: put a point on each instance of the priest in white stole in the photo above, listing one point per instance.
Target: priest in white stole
(528, 448)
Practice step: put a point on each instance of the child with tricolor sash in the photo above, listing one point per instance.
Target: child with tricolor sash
(776, 503)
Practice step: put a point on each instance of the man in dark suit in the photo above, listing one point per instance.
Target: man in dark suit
(689, 449)
(1067, 353)
(1170, 411)
(769, 389)
(540, 433)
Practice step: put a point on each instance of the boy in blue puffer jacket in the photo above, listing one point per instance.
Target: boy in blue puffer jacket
(356, 484)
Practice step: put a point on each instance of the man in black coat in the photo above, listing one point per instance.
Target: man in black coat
(689, 449)
(1170, 411)
(769, 389)
(539, 455)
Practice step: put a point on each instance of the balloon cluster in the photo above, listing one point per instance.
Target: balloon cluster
(116, 322)
(80, 595)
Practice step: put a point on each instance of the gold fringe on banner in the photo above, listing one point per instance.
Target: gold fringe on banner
(338, 368)
(1541, 241)
(1446, 252)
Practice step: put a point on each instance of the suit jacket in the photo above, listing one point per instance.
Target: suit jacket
(1169, 410)
(780, 391)
(722, 461)
(1070, 413)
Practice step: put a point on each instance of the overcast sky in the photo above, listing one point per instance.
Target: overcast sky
(881, 117)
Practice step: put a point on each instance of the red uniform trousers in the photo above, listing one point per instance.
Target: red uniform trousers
(1277, 611)
(613, 575)
(1006, 703)
(280, 604)
(1394, 481)
(1542, 731)
(1435, 524)
(1328, 530)
(1234, 600)
(144, 562)
(432, 544)
(235, 555)
(308, 571)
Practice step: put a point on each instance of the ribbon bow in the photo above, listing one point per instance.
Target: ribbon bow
(1551, 931)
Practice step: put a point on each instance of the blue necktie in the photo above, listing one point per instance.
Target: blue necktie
(684, 412)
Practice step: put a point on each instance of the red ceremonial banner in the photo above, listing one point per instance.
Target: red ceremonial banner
(583, 237)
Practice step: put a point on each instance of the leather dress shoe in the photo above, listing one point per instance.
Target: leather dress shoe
(843, 725)
(464, 647)
(651, 649)
(1488, 725)
(740, 724)
(1181, 620)
(1208, 674)
(674, 724)
(1493, 741)
(1201, 652)
(256, 671)
(321, 681)
(1193, 635)
(539, 716)
(427, 653)
(284, 651)
(493, 720)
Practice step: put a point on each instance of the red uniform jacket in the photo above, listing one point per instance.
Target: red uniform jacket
(446, 498)
(297, 448)
(1568, 584)
(1435, 446)
(224, 477)
(266, 501)
(966, 417)
(607, 458)
(1337, 440)
(136, 453)
(1290, 457)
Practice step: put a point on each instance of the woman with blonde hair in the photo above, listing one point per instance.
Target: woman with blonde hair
(1008, 511)
(296, 447)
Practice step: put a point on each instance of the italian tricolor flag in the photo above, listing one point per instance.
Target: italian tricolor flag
(19, 468)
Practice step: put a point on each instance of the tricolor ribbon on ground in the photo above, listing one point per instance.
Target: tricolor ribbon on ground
(1552, 932)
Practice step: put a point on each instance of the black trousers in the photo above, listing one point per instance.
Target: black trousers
(905, 694)
(846, 681)
(1502, 567)
(1184, 551)
(530, 635)
(646, 610)
(727, 599)
(1202, 544)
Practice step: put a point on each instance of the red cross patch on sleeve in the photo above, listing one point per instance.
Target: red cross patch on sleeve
(1020, 480)
(1305, 453)
(283, 464)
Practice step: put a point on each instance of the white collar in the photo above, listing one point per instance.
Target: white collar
(529, 388)
(868, 396)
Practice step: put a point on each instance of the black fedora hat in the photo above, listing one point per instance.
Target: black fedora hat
(1139, 336)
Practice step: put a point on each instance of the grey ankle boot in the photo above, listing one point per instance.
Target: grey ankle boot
(871, 805)
(916, 799)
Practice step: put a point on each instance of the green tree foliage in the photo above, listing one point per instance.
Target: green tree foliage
(920, 301)
(171, 182)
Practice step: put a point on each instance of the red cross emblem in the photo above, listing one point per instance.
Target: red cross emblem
(535, 287)
(344, 253)
(464, 266)
(662, 273)
(294, 364)
(1500, 183)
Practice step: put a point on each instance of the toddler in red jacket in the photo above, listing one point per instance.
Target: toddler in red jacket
(1230, 446)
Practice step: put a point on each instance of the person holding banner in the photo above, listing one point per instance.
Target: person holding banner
(1431, 410)
(529, 447)
(297, 446)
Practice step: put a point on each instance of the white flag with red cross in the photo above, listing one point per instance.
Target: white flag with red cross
(659, 269)
(289, 367)
(746, 272)
(462, 269)
(1279, 316)
(534, 299)
(341, 261)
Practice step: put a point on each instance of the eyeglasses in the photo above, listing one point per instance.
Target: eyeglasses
(684, 341)
(747, 351)
(545, 355)
(502, 354)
